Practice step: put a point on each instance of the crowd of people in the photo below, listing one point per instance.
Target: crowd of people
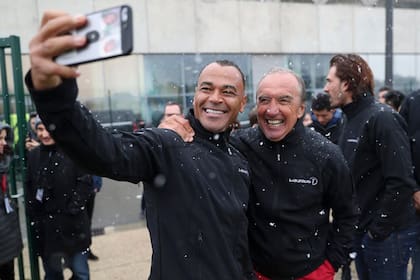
(282, 199)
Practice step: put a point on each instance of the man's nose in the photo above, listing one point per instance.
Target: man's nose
(216, 96)
(272, 108)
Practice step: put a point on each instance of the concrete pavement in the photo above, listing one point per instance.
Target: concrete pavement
(124, 254)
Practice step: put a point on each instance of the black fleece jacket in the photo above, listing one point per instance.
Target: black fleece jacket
(410, 110)
(377, 149)
(196, 193)
(60, 220)
(296, 183)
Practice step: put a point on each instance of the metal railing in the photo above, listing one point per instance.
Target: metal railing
(18, 167)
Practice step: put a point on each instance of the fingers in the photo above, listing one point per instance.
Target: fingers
(50, 42)
(416, 198)
(51, 14)
(180, 125)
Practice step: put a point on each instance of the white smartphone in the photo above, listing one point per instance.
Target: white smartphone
(109, 34)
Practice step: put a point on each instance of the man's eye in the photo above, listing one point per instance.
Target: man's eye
(284, 101)
(263, 100)
(229, 93)
(205, 89)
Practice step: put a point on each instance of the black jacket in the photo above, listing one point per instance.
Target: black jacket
(296, 182)
(10, 235)
(410, 110)
(196, 193)
(60, 222)
(377, 149)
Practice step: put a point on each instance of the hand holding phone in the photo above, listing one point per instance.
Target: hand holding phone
(109, 33)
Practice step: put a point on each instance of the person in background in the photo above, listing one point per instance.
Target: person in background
(381, 94)
(326, 120)
(252, 116)
(377, 150)
(90, 205)
(31, 140)
(410, 112)
(10, 235)
(307, 119)
(196, 193)
(57, 191)
(172, 109)
(394, 98)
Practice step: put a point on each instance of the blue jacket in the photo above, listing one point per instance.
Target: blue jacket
(334, 128)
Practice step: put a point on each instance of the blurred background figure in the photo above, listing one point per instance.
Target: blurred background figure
(252, 116)
(57, 191)
(394, 98)
(90, 205)
(31, 140)
(381, 93)
(31, 125)
(10, 237)
(172, 109)
(411, 114)
(307, 120)
(326, 120)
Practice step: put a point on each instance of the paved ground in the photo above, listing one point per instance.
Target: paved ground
(124, 254)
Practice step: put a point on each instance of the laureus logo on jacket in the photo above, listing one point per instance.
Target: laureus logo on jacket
(310, 181)
(244, 171)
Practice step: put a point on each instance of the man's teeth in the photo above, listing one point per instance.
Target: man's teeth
(275, 122)
(211, 111)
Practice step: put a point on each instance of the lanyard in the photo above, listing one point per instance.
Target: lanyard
(4, 182)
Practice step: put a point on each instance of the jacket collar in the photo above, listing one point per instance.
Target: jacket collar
(355, 107)
(219, 139)
(48, 148)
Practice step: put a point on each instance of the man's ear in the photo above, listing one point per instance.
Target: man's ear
(243, 103)
(344, 86)
(301, 110)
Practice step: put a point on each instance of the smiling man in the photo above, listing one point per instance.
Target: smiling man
(196, 193)
(299, 179)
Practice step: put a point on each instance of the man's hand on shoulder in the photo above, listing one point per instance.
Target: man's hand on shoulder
(416, 198)
(180, 125)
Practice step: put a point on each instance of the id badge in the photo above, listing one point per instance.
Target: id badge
(39, 194)
(8, 206)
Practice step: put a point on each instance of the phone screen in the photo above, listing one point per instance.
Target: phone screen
(108, 33)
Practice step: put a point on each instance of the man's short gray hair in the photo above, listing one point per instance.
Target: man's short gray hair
(301, 83)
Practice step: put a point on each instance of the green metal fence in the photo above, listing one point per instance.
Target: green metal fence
(18, 168)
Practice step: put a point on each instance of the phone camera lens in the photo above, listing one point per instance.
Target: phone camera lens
(92, 36)
(124, 14)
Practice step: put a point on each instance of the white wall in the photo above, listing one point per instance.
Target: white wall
(168, 26)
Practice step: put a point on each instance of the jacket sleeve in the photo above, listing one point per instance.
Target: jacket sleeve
(342, 199)
(392, 148)
(125, 157)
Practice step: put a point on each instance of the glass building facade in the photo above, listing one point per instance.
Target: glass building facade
(148, 85)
